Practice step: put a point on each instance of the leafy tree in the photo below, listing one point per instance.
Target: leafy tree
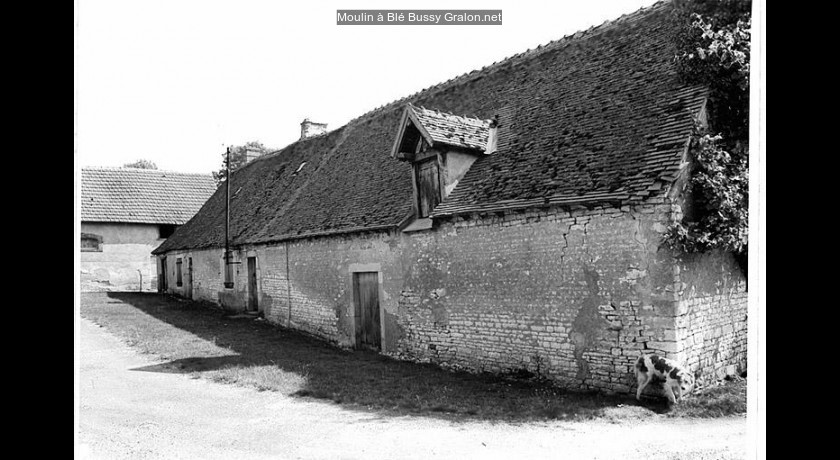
(238, 159)
(719, 188)
(141, 164)
(714, 50)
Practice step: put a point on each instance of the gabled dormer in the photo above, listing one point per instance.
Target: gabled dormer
(441, 148)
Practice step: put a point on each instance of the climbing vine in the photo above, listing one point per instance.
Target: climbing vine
(714, 50)
(719, 186)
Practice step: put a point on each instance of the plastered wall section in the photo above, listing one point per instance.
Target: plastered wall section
(310, 290)
(207, 280)
(316, 294)
(126, 258)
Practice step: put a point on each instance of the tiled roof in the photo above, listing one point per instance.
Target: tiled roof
(587, 154)
(600, 115)
(449, 129)
(142, 195)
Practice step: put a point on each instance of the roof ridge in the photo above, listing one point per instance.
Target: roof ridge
(123, 168)
(513, 59)
(441, 112)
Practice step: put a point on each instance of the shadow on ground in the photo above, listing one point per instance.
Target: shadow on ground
(200, 339)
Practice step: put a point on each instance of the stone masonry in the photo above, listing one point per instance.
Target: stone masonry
(712, 317)
(574, 295)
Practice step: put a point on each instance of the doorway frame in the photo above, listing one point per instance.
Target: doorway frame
(258, 284)
(163, 277)
(367, 268)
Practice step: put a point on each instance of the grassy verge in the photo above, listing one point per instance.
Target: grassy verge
(197, 339)
(716, 401)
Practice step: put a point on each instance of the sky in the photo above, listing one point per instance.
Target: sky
(176, 81)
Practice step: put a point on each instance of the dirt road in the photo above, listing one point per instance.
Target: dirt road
(129, 413)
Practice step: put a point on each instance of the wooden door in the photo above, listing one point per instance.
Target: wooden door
(428, 186)
(366, 293)
(253, 304)
(162, 281)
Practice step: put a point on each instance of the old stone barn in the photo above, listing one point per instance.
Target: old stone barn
(508, 219)
(128, 212)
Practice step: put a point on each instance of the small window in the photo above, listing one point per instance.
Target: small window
(91, 242)
(179, 280)
(166, 230)
(412, 140)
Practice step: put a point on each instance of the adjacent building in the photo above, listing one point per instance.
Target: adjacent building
(128, 212)
(508, 219)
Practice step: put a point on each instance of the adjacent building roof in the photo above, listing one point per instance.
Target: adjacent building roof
(132, 195)
(599, 115)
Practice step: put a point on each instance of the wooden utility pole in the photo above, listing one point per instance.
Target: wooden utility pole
(228, 280)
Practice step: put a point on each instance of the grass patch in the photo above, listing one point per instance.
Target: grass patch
(728, 398)
(199, 339)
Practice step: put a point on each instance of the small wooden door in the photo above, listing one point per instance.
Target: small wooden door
(162, 280)
(189, 290)
(428, 186)
(366, 293)
(253, 304)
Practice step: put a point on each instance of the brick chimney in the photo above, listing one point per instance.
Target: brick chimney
(492, 136)
(252, 153)
(309, 128)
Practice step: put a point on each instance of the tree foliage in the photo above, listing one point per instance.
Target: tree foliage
(238, 159)
(714, 50)
(141, 164)
(719, 186)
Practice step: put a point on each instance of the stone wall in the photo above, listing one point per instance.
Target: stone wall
(712, 319)
(207, 281)
(316, 295)
(573, 295)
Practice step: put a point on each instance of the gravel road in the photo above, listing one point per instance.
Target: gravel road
(129, 413)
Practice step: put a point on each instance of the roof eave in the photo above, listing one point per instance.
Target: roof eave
(592, 199)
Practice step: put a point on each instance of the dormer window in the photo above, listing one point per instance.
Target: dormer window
(412, 140)
(441, 147)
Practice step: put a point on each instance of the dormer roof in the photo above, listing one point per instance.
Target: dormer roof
(440, 128)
